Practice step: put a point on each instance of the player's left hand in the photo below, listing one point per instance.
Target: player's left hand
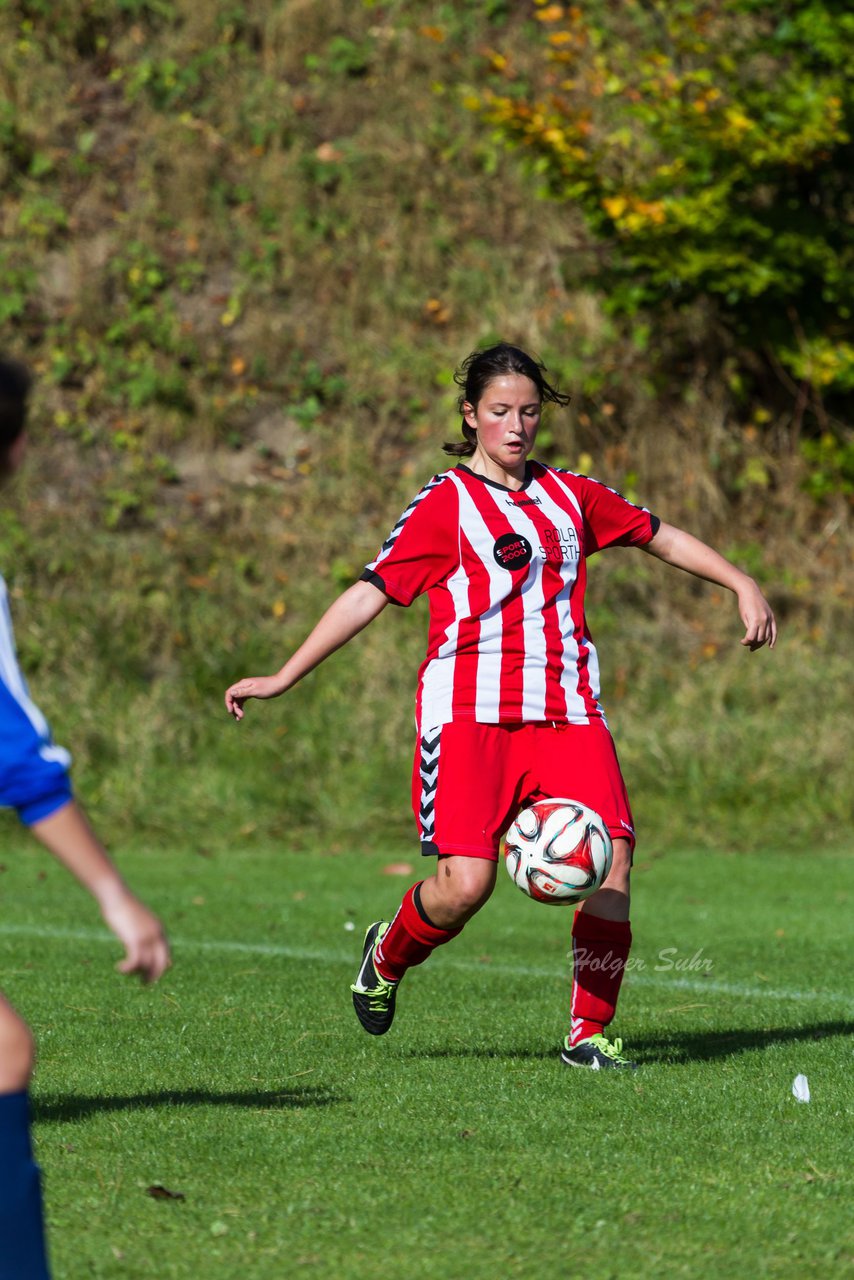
(141, 934)
(758, 618)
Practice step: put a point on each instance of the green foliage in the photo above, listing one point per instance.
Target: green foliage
(342, 57)
(710, 147)
(19, 280)
(169, 83)
(831, 466)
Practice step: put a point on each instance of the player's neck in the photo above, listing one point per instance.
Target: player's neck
(482, 465)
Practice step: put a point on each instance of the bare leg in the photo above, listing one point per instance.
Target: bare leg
(16, 1050)
(611, 902)
(458, 890)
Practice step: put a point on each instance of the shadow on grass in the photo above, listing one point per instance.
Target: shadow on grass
(701, 1046)
(48, 1109)
(674, 1048)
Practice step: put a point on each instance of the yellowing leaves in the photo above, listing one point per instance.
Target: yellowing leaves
(654, 129)
(437, 312)
(823, 361)
(615, 206)
(555, 138)
(737, 121)
(649, 211)
(632, 214)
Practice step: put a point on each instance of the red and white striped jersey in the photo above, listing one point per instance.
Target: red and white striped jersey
(505, 574)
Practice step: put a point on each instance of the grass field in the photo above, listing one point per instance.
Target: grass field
(458, 1143)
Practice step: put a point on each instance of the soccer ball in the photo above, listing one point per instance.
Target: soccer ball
(558, 851)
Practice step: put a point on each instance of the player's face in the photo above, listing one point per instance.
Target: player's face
(506, 419)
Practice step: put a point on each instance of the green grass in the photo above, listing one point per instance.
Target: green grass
(458, 1143)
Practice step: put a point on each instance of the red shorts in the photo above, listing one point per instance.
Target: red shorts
(470, 780)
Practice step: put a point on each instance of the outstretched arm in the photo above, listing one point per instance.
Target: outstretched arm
(345, 618)
(684, 551)
(68, 836)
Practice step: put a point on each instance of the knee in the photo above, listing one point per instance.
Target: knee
(17, 1051)
(621, 866)
(467, 889)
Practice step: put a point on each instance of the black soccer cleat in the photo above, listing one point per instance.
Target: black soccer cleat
(596, 1054)
(373, 995)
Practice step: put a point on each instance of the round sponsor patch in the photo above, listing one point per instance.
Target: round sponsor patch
(512, 551)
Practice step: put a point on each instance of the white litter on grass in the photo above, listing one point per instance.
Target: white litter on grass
(801, 1089)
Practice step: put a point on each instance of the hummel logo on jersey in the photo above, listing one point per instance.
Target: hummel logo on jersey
(523, 502)
(512, 551)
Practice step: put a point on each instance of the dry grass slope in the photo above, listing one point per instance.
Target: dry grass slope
(244, 247)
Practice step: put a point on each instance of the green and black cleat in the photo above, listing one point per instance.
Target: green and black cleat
(373, 995)
(596, 1054)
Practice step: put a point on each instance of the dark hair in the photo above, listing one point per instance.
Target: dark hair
(482, 367)
(15, 385)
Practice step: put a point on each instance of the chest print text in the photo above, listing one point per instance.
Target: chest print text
(560, 544)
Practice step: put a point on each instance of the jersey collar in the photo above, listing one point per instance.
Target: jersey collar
(493, 484)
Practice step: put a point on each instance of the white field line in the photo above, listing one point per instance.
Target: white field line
(666, 978)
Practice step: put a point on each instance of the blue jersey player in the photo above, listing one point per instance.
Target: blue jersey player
(34, 782)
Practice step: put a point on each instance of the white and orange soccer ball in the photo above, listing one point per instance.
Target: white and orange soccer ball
(558, 851)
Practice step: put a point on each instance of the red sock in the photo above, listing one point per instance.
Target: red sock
(409, 939)
(600, 949)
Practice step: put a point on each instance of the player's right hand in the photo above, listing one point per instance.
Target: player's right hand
(141, 934)
(250, 687)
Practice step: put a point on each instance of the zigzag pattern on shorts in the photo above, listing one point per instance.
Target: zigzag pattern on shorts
(428, 768)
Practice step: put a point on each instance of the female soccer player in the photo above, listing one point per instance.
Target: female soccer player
(508, 707)
(34, 781)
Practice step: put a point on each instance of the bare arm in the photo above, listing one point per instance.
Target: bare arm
(684, 551)
(69, 837)
(345, 618)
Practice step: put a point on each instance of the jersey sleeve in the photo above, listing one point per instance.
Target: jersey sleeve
(422, 548)
(612, 521)
(33, 769)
